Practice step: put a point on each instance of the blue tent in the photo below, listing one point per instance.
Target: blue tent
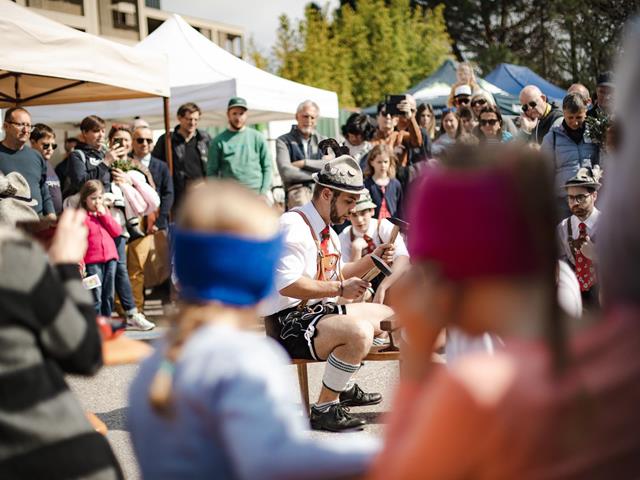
(513, 78)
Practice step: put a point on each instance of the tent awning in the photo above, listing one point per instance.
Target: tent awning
(202, 72)
(47, 63)
(514, 78)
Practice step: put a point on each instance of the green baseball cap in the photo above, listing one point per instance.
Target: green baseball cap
(237, 102)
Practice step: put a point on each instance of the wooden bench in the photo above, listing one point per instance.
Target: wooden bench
(303, 373)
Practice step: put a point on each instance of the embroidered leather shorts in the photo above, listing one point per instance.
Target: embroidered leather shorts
(295, 329)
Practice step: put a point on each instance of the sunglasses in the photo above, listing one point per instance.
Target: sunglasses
(526, 106)
(462, 100)
(481, 101)
(47, 146)
(492, 122)
(140, 141)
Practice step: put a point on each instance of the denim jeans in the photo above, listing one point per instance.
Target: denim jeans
(103, 295)
(123, 283)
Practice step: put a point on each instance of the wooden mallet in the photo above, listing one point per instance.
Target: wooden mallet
(398, 226)
(380, 267)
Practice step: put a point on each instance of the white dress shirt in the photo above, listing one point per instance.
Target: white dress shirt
(563, 237)
(299, 256)
(383, 236)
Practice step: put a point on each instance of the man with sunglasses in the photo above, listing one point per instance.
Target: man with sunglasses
(538, 115)
(148, 250)
(43, 139)
(17, 156)
(577, 233)
(462, 96)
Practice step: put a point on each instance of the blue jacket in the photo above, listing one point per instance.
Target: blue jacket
(393, 195)
(164, 186)
(568, 156)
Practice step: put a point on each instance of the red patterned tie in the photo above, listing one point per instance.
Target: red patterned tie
(585, 271)
(371, 245)
(324, 240)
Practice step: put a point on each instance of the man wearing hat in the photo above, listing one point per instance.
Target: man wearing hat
(462, 96)
(576, 234)
(365, 234)
(239, 152)
(604, 94)
(303, 314)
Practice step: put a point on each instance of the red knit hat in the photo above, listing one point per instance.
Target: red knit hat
(470, 224)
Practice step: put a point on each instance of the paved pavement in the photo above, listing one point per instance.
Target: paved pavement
(106, 395)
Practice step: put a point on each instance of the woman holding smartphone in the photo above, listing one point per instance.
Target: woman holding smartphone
(120, 140)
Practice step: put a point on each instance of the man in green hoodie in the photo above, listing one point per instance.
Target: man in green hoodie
(239, 152)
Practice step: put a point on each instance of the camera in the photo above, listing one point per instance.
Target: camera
(391, 104)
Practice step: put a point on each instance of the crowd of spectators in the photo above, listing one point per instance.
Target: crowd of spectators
(524, 186)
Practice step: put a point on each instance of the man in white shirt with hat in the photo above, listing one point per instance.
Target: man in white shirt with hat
(577, 233)
(304, 315)
(365, 234)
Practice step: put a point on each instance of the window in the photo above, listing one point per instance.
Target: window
(233, 44)
(152, 24)
(72, 7)
(204, 31)
(124, 14)
(152, 4)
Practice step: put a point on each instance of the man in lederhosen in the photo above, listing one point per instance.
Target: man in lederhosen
(577, 233)
(310, 278)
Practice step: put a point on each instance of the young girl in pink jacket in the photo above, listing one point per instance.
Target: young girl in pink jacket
(101, 257)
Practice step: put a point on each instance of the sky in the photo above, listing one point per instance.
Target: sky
(258, 17)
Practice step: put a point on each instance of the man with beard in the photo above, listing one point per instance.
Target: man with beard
(239, 152)
(304, 314)
(298, 155)
(576, 234)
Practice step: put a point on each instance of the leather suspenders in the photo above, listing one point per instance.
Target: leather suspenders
(320, 256)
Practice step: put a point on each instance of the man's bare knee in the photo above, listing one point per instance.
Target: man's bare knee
(359, 335)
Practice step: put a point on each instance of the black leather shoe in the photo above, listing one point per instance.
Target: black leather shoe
(355, 397)
(336, 419)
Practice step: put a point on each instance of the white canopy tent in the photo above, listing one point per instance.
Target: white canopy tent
(44, 62)
(202, 72)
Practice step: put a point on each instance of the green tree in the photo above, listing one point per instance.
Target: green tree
(256, 56)
(287, 49)
(365, 50)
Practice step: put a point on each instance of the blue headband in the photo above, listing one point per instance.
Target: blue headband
(231, 269)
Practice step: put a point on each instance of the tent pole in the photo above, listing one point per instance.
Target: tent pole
(167, 135)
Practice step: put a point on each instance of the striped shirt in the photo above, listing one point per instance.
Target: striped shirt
(47, 327)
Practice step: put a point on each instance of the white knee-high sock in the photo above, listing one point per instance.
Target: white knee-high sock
(337, 373)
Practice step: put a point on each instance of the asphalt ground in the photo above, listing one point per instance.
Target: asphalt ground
(106, 394)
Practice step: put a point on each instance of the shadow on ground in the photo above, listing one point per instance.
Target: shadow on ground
(115, 419)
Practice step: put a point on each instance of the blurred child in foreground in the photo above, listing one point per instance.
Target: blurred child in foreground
(214, 400)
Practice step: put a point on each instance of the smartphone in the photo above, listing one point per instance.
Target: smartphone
(391, 104)
(118, 142)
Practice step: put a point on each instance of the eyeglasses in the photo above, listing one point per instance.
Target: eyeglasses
(489, 121)
(480, 101)
(47, 146)
(462, 100)
(140, 141)
(579, 199)
(28, 126)
(526, 106)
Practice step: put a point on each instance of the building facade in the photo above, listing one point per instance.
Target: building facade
(129, 21)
